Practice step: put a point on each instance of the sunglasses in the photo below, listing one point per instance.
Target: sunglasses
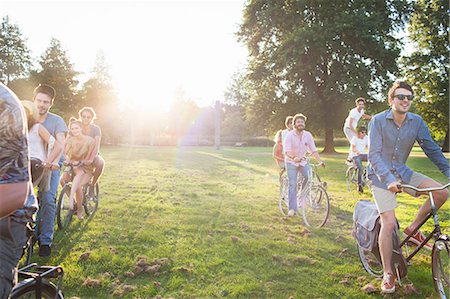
(401, 97)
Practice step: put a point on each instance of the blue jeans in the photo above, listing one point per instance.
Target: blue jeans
(292, 172)
(47, 206)
(358, 161)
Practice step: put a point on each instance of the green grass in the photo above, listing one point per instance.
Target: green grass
(214, 216)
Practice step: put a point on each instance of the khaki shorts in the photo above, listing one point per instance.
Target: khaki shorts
(387, 201)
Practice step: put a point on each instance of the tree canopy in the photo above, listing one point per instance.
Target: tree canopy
(427, 68)
(15, 59)
(317, 56)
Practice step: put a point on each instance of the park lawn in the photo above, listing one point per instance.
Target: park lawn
(205, 223)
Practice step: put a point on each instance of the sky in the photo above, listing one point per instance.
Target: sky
(155, 49)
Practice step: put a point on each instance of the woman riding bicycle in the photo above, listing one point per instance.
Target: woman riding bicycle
(78, 152)
(358, 152)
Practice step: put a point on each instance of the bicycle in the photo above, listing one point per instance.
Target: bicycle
(313, 200)
(90, 203)
(440, 254)
(351, 176)
(34, 282)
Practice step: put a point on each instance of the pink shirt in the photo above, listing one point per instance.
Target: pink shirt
(299, 147)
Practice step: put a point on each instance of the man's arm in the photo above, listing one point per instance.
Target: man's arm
(375, 154)
(13, 197)
(432, 150)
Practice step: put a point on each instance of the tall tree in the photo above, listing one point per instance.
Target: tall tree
(98, 92)
(317, 56)
(58, 71)
(15, 59)
(427, 68)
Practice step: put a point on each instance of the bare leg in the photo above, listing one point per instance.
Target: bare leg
(439, 197)
(99, 165)
(75, 184)
(385, 239)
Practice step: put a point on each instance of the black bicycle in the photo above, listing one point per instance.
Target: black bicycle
(440, 254)
(90, 200)
(34, 282)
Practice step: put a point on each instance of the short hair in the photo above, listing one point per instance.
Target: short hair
(361, 129)
(90, 110)
(360, 99)
(288, 119)
(45, 89)
(277, 136)
(299, 115)
(395, 86)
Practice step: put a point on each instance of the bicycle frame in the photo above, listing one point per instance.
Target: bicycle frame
(436, 233)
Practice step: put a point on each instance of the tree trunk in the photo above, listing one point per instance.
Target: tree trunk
(445, 146)
(329, 142)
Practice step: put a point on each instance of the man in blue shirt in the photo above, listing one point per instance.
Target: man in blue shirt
(392, 134)
(43, 97)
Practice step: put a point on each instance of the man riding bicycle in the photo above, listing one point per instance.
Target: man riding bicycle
(392, 134)
(358, 153)
(17, 200)
(298, 143)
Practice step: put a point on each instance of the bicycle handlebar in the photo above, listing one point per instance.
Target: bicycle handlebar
(425, 189)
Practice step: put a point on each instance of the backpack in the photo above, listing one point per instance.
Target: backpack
(366, 224)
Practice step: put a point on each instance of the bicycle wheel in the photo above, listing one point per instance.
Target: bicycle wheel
(371, 261)
(351, 178)
(316, 207)
(90, 203)
(439, 267)
(63, 213)
(283, 199)
(28, 290)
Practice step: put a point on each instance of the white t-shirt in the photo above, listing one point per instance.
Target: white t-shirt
(360, 145)
(355, 115)
(36, 144)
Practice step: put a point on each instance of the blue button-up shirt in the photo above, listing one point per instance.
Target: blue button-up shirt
(390, 146)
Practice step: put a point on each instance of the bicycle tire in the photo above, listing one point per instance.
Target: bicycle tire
(350, 176)
(283, 198)
(316, 208)
(440, 257)
(371, 261)
(63, 214)
(48, 290)
(90, 204)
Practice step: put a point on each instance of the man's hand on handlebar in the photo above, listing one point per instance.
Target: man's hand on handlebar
(395, 187)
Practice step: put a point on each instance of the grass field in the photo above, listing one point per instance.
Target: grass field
(202, 223)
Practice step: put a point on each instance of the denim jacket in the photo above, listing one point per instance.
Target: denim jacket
(390, 146)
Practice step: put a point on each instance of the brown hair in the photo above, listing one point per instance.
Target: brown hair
(395, 86)
(88, 109)
(288, 120)
(45, 89)
(299, 115)
(360, 100)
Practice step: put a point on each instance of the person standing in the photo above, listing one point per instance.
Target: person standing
(17, 200)
(351, 122)
(298, 143)
(392, 134)
(43, 97)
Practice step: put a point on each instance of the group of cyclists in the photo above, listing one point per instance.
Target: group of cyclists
(291, 147)
(391, 135)
(33, 148)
